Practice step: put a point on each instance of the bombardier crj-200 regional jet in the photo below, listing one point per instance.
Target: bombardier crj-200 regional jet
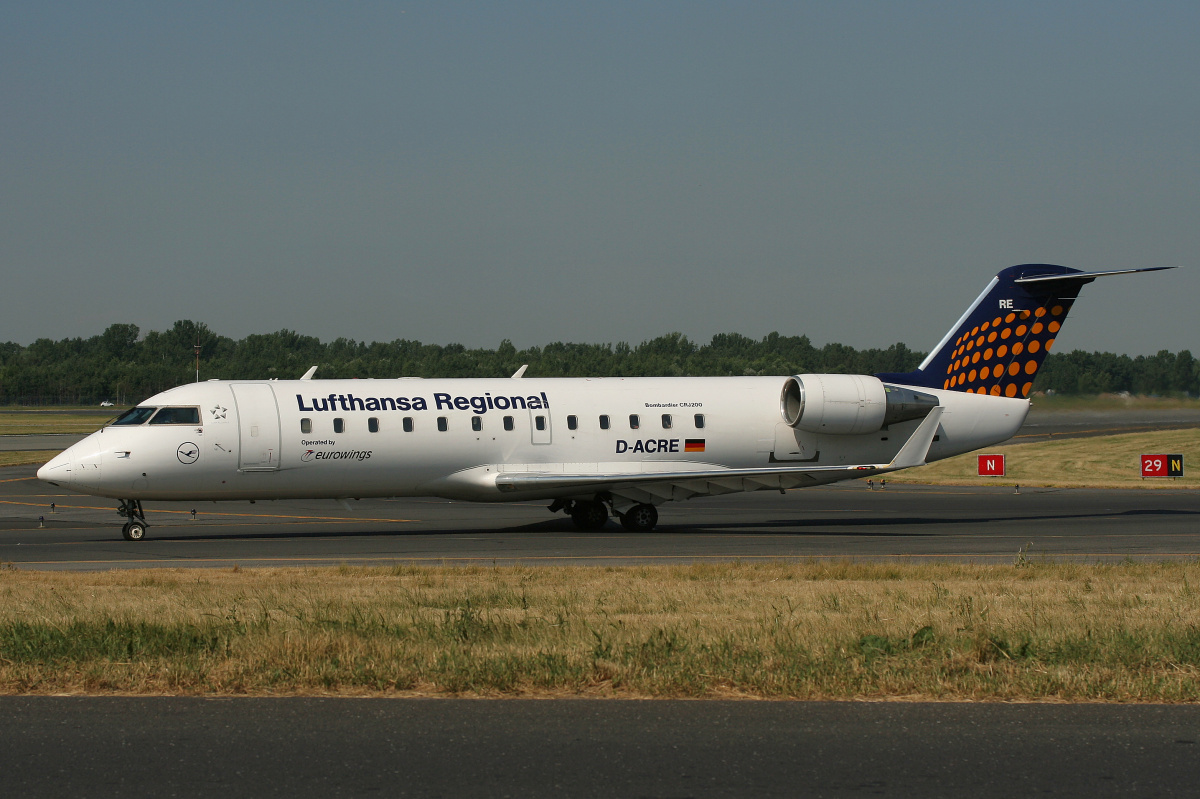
(592, 447)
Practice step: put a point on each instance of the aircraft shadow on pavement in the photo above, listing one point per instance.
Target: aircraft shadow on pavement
(875, 526)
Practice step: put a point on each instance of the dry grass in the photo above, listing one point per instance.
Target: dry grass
(26, 457)
(1126, 632)
(1111, 402)
(1100, 462)
(40, 422)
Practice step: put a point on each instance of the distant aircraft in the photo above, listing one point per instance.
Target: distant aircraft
(593, 447)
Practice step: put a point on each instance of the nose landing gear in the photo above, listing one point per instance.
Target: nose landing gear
(135, 528)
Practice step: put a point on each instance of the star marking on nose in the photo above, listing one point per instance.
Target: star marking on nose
(218, 412)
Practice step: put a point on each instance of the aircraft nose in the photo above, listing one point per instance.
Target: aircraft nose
(58, 470)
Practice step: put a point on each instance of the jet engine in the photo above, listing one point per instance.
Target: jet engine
(849, 404)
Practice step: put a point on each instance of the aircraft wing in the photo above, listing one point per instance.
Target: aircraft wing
(692, 482)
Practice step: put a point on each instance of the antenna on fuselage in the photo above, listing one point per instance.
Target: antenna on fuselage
(197, 348)
(520, 372)
(308, 375)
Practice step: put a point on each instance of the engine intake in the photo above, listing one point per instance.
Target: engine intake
(849, 404)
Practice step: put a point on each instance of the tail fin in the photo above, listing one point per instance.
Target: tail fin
(999, 344)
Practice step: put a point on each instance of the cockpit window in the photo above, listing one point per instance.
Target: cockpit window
(176, 416)
(135, 416)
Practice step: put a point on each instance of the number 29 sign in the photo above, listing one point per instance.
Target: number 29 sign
(1162, 466)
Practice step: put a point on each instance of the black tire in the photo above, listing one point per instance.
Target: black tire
(640, 518)
(589, 515)
(134, 531)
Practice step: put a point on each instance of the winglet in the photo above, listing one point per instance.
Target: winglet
(520, 372)
(308, 375)
(917, 447)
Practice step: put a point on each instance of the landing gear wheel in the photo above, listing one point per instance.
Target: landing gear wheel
(589, 515)
(640, 518)
(134, 531)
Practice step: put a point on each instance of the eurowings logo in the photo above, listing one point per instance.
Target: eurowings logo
(336, 455)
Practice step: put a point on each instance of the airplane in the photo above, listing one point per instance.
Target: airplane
(594, 448)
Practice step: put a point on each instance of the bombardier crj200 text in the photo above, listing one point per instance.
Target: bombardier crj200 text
(592, 447)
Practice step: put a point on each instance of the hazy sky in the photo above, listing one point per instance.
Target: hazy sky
(602, 172)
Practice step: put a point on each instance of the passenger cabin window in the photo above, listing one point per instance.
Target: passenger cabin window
(666, 420)
(699, 421)
(443, 424)
(509, 424)
(604, 421)
(135, 416)
(476, 423)
(408, 424)
(176, 416)
(306, 426)
(634, 421)
(572, 422)
(339, 425)
(372, 425)
(539, 422)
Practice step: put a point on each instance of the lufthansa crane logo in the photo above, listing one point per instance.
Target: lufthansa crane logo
(188, 452)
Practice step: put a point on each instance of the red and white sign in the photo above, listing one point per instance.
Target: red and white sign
(991, 465)
(1162, 465)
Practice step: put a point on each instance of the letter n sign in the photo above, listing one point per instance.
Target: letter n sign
(991, 465)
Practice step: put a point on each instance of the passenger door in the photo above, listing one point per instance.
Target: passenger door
(258, 427)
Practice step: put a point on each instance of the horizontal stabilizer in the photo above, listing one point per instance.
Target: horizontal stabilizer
(1088, 277)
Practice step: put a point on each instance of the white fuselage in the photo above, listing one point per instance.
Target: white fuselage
(316, 438)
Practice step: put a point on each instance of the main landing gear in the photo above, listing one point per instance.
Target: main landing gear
(135, 528)
(593, 514)
(640, 518)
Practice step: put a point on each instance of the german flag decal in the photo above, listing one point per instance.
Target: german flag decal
(693, 445)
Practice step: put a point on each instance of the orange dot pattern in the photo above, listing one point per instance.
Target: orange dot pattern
(1006, 370)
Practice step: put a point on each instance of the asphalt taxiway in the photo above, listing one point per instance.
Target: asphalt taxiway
(122, 746)
(979, 524)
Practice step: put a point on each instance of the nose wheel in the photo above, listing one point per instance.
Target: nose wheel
(135, 528)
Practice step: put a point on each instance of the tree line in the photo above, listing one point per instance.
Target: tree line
(125, 367)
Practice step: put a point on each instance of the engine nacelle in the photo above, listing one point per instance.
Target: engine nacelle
(849, 404)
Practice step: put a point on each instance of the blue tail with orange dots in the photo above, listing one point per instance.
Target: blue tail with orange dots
(999, 344)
